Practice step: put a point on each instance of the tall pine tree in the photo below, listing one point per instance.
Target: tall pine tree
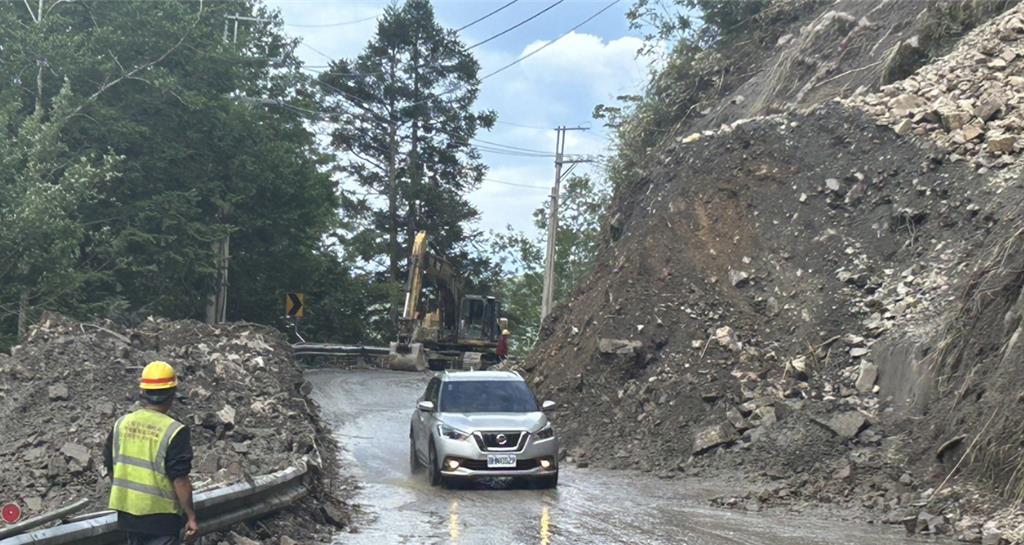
(404, 119)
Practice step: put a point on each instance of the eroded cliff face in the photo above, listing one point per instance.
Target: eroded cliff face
(821, 298)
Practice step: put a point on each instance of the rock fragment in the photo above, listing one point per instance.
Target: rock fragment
(58, 392)
(726, 338)
(618, 346)
(846, 425)
(77, 452)
(713, 436)
(227, 415)
(1001, 144)
(736, 419)
(989, 106)
(867, 377)
(738, 279)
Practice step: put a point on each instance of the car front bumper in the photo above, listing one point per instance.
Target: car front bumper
(473, 461)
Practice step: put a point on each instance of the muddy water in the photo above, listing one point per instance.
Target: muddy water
(370, 411)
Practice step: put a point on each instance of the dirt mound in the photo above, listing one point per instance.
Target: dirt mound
(242, 395)
(780, 254)
(732, 320)
(771, 290)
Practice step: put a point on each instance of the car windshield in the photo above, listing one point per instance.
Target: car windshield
(487, 396)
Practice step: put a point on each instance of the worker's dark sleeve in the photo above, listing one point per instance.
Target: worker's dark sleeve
(179, 455)
(108, 452)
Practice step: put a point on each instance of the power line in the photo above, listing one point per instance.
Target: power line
(471, 23)
(494, 147)
(486, 149)
(516, 148)
(513, 184)
(317, 51)
(509, 123)
(489, 147)
(327, 25)
(545, 46)
(517, 25)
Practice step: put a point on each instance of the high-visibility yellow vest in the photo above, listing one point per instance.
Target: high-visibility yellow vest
(140, 485)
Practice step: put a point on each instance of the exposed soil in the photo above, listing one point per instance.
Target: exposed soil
(816, 300)
(242, 395)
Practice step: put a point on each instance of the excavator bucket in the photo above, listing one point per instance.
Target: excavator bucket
(407, 357)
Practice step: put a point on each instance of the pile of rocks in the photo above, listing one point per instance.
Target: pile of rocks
(240, 392)
(970, 102)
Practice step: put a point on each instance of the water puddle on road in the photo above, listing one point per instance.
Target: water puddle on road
(370, 412)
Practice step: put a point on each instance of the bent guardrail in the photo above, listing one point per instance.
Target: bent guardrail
(218, 509)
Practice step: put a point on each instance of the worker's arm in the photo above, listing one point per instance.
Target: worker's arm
(108, 453)
(183, 490)
(178, 465)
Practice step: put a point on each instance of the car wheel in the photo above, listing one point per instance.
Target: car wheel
(434, 470)
(550, 481)
(414, 461)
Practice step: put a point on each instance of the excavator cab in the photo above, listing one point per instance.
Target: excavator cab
(479, 319)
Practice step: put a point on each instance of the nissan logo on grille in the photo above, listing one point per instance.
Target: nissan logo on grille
(501, 439)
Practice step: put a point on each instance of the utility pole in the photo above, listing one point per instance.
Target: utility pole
(548, 297)
(217, 303)
(236, 18)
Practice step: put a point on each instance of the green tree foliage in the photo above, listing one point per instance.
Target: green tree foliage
(161, 138)
(690, 36)
(42, 187)
(700, 23)
(404, 118)
(582, 207)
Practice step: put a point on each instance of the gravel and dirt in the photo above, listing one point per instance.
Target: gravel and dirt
(241, 393)
(824, 301)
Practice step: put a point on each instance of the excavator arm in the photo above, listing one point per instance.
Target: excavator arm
(415, 325)
(414, 284)
(424, 264)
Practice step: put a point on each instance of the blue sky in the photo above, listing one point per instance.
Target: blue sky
(558, 86)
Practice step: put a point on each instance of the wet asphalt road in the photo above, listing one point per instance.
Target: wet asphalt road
(370, 411)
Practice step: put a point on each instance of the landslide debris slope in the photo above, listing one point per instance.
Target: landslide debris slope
(825, 299)
(241, 393)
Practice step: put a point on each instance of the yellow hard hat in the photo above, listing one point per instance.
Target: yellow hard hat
(158, 375)
(505, 332)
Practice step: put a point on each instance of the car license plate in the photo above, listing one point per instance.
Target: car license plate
(501, 460)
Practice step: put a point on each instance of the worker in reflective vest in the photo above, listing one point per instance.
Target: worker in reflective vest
(149, 455)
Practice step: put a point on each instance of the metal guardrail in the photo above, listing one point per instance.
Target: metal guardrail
(324, 349)
(60, 514)
(218, 509)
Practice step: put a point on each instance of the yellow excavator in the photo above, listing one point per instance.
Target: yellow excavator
(441, 327)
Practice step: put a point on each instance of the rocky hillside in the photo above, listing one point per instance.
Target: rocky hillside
(242, 395)
(824, 298)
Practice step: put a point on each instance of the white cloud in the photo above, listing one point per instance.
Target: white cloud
(501, 204)
(557, 86)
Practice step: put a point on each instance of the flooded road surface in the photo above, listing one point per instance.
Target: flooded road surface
(370, 411)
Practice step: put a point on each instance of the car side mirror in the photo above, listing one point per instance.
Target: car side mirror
(425, 406)
(548, 405)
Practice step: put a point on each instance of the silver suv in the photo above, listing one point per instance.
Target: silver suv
(480, 424)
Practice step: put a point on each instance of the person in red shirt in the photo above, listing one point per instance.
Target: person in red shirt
(502, 349)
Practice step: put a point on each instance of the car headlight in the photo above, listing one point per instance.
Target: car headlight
(451, 433)
(546, 433)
